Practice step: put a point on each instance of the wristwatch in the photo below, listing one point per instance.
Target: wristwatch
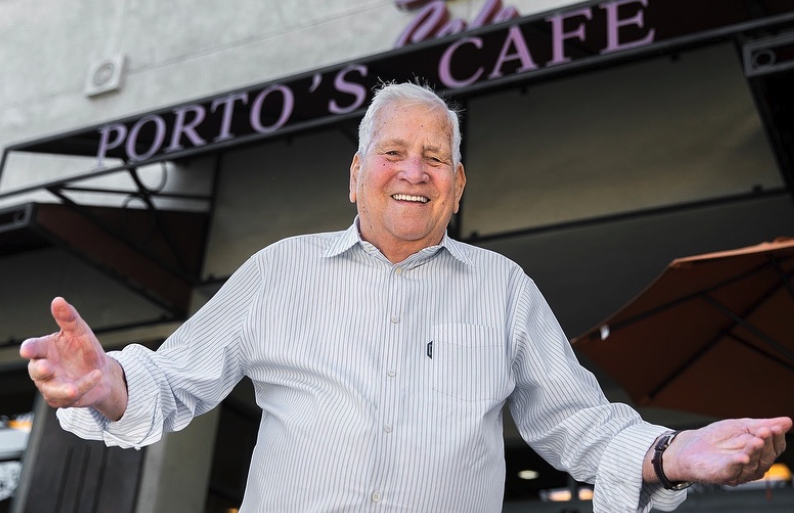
(662, 443)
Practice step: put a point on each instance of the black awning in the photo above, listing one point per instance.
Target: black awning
(156, 254)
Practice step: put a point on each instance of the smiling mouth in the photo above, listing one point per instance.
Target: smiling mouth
(408, 197)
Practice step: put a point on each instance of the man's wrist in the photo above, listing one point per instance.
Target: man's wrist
(657, 461)
(115, 404)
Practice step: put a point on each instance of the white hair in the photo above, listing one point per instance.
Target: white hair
(411, 93)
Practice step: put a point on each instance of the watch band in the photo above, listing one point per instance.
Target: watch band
(662, 443)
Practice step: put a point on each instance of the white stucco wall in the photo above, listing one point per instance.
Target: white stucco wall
(174, 52)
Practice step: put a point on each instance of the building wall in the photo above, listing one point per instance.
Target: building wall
(174, 52)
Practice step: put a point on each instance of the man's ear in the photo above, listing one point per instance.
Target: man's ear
(355, 167)
(460, 184)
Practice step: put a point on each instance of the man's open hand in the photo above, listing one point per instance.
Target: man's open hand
(728, 452)
(71, 369)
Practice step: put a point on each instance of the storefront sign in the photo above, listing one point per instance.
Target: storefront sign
(606, 28)
(239, 114)
(489, 53)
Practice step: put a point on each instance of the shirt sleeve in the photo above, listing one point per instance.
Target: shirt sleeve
(191, 373)
(561, 412)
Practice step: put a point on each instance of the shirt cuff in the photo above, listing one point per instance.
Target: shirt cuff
(137, 427)
(619, 486)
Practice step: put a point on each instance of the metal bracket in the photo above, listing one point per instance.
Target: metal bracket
(769, 55)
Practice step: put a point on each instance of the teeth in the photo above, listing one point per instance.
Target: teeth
(406, 197)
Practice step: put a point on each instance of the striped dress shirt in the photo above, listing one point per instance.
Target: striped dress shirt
(382, 385)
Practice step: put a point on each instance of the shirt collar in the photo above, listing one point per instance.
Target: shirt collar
(351, 237)
(343, 241)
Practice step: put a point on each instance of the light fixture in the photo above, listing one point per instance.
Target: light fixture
(24, 424)
(583, 493)
(557, 495)
(777, 472)
(528, 474)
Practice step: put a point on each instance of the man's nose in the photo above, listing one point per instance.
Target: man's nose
(414, 170)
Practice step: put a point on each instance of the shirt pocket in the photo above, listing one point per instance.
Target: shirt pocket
(468, 362)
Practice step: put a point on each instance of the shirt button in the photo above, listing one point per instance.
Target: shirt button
(391, 373)
(398, 271)
(387, 428)
(376, 497)
(395, 319)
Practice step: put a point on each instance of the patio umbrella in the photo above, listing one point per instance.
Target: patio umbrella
(713, 334)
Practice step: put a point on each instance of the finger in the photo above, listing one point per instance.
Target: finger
(58, 395)
(775, 429)
(61, 394)
(756, 449)
(40, 370)
(748, 454)
(66, 316)
(768, 455)
(779, 442)
(88, 382)
(35, 347)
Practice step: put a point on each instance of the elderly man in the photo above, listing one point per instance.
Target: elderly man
(382, 357)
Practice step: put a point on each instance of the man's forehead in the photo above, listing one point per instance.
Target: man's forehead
(402, 128)
(428, 144)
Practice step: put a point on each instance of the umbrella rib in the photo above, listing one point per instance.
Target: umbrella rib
(703, 350)
(758, 350)
(774, 344)
(784, 276)
(674, 375)
(683, 299)
(726, 331)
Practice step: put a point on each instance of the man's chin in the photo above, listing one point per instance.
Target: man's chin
(416, 237)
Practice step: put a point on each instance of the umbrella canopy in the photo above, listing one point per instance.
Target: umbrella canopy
(713, 334)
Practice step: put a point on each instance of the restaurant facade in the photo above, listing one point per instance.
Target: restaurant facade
(149, 149)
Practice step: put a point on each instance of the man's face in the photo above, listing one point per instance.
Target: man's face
(405, 185)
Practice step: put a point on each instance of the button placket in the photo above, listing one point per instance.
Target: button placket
(389, 397)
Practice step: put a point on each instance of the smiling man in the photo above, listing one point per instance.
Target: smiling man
(406, 178)
(382, 357)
